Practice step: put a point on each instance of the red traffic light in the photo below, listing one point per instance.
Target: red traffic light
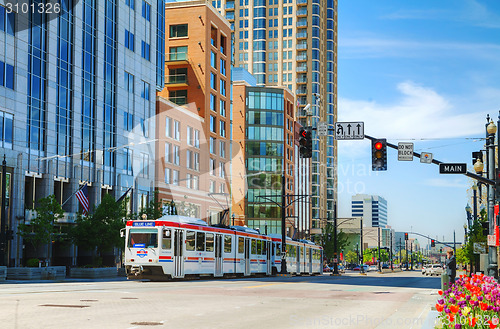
(378, 146)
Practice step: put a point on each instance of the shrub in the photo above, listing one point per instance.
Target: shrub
(32, 262)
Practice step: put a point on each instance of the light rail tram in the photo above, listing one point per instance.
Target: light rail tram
(175, 247)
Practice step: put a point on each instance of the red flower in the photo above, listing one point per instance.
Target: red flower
(451, 317)
(472, 321)
(439, 307)
(440, 292)
(492, 325)
(484, 306)
(454, 308)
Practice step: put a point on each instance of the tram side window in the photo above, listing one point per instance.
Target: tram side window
(241, 245)
(190, 240)
(264, 247)
(166, 242)
(254, 247)
(228, 243)
(259, 247)
(278, 249)
(200, 241)
(210, 242)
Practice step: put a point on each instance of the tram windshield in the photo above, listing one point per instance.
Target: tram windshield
(143, 238)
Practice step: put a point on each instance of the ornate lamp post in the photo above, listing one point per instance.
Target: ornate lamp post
(491, 129)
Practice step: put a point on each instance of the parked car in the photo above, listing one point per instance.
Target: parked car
(386, 266)
(425, 268)
(372, 268)
(435, 269)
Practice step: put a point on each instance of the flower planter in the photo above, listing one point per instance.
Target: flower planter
(93, 273)
(24, 273)
(3, 273)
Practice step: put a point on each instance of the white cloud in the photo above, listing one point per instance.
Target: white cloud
(419, 113)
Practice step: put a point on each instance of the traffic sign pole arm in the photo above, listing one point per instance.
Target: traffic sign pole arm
(447, 244)
(468, 174)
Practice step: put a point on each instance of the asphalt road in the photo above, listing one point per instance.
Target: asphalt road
(393, 300)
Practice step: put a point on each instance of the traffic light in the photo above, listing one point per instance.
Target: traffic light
(433, 243)
(406, 236)
(305, 143)
(379, 154)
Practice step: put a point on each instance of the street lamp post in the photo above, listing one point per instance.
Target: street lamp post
(490, 149)
(361, 269)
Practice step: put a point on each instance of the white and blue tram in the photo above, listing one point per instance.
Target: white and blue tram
(178, 247)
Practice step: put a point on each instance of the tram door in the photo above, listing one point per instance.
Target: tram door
(298, 252)
(247, 256)
(309, 259)
(268, 257)
(178, 254)
(218, 255)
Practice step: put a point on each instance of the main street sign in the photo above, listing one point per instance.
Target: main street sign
(452, 168)
(349, 130)
(405, 151)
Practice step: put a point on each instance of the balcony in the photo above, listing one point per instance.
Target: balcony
(230, 15)
(230, 5)
(301, 2)
(176, 80)
(302, 68)
(302, 22)
(301, 91)
(179, 100)
(301, 78)
(301, 34)
(302, 101)
(301, 56)
(301, 45)
(302, 12)
(176, 58)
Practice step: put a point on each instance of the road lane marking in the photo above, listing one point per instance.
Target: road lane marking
(270, 284)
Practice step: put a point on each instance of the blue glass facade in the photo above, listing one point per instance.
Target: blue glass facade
(160, 45)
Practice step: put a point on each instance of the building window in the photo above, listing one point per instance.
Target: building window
(128, 121)
(178, 75)
(223, 87)
(6, 75)
(222, 169)
(211, 187)
(213, 81)
(176, 156)
(6, 129)
(168, 127)
(7, 21)
(212, 145)
(213, 100)
(178, 53)
(127, 164)
(178, 31)
(177, 130)
(222, 188)
(129, 40)
(129, 82)
(192, 181)
(175, 177)
(193, 137)
(144, 165)
(145, 90)
(178, 97)
(212, 167)
(223, 67)
(222, 105)
(213, 124)
(222, 131)
(146, 10)
(145, 50)
(222, 149)
(168, 153)
(168, 176)
(130, 3)
(213, 60)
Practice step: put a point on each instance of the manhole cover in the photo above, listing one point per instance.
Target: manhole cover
(381, 292)
(71, 306)
(129, 298)
(147, 323)
(88, 300)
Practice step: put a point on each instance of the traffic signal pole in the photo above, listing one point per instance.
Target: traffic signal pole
(418, 155)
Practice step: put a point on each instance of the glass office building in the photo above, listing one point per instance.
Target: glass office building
(77, 95)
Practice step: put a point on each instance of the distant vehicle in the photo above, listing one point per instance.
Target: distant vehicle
(425, 269)
(357, 268)
(372, 268)
(434, 269)
(385, 266)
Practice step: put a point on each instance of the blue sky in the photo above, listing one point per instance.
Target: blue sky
(426, 72)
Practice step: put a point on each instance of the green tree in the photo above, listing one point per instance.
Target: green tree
(474, 235)
(462, 255)
(41, 229)
(326, 241)
(351, 257)
(99, 231)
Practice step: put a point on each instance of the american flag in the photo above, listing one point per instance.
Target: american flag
(82, 196)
